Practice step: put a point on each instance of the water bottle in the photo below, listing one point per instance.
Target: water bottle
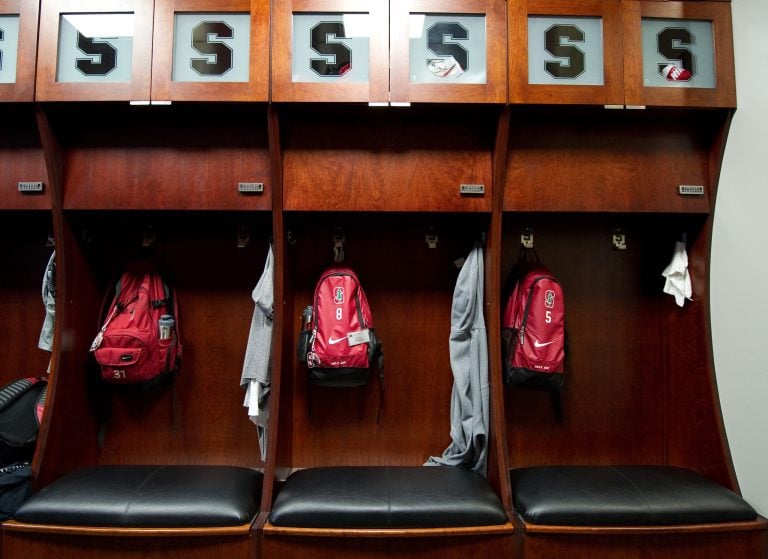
(306, 324)
(166, 325)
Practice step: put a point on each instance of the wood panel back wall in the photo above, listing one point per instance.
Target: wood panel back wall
(375, 159)
(614, 401)
(206, 424)
(184, 157)
(410, 289)
(592, 159)
(23, 244)
(22, 160)
(639, 370)
(154, 163)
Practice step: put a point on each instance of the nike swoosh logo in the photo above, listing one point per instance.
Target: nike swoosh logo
(334, 341)
(537, 343)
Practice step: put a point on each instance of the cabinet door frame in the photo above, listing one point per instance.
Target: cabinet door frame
(163, 86)
(283, 88)
(719, 13)
(136, 90)
(23, 89)
(405, 91)
(521, 91)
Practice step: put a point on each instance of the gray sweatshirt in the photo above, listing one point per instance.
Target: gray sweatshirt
(469, 363)
(257, 363)
(49, 301)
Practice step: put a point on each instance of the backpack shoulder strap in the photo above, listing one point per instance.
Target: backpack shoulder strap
(12, 391)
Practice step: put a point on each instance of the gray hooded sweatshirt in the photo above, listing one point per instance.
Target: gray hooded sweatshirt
(49, 301)
(257, 364)
(469, 363)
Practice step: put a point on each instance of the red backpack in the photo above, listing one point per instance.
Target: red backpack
(341, 345)
(533, 330)
(138, 343)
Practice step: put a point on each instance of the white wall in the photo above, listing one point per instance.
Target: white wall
(739, 274)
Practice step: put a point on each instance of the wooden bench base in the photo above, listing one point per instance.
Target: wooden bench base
(492, 542)
(743, 540)
(76, 542)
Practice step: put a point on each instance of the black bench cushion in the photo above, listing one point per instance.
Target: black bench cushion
(623, 496)
(386, 497)
(148, 497)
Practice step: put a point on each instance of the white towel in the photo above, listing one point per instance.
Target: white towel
(678, 282)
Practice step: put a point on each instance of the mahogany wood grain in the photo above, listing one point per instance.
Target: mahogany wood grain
(719, 13)
(283, 88)
(23, 242)
(411, 314)
(677, 529)
(283, 313)
(257, 86)
(271, 530)
(402, 89)
(68, 434)
(520, 91)
(714, 545)
(24, 544)
(617, 374)
(23, 88)
(498, 463)
(138, 89)
(207, 423)
(123, 532)
(22, 160)
(376, 159)
(593, 159)
(449, 547)
(695, 431)
(186, 157)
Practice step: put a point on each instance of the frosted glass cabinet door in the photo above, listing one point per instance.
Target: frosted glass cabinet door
(207, 50)
(18, 47)
(565, 52)
(99, 51)
(447, 51)
(678, 54)
(330, 50)
(9, 47)
(95, 48)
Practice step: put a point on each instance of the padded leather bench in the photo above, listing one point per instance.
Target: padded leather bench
(386, 497)
(623, 496)
(148, 497)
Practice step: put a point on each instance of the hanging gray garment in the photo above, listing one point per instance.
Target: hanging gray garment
(469, 363)
(49, 301)
(257, 363)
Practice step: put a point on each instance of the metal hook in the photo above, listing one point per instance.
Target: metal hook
(526, 237)
(431, 237)
(149, 237)
(619, 239)
(338, 244)
(243, 236)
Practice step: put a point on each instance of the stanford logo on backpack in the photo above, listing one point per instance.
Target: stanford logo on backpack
(139, 342)
(533, 330)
